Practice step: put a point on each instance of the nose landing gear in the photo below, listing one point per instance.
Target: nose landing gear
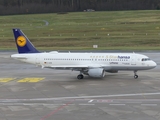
(135, 75)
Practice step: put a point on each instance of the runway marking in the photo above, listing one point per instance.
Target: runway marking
(86, 104)
(55, 111)
(54, 104)
(149, 104)
(90, 101)
(98, 96)
(6, 79)
(30, 104)
(30, 80)
(117, 104)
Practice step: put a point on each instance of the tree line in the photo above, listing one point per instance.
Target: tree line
(51, 6)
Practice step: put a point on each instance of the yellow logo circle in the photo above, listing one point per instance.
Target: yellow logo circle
(21, 41)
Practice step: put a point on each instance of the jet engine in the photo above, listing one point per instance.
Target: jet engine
(96, 72)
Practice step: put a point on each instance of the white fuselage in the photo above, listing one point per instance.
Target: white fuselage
(107, 61)
(91, 64)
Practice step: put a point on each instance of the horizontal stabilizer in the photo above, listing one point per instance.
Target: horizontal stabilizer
(18, 56)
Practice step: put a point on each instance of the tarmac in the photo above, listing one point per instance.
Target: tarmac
(28, 92)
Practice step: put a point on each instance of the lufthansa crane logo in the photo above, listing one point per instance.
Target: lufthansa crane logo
(21, 41)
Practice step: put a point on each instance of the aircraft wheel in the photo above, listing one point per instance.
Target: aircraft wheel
(80, 76)
(136, 76)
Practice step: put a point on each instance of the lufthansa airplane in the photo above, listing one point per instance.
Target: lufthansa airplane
(91, 64)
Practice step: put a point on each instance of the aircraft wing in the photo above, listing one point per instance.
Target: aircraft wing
(77, 67)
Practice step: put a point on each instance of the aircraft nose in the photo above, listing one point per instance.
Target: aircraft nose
(154, 64)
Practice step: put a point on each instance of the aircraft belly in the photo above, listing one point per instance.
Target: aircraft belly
(130, 68)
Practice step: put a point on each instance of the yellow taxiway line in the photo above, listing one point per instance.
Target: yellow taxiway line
(30, 80)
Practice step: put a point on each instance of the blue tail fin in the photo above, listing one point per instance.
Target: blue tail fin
(23, 43)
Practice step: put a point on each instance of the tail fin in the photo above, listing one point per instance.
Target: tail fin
(23, 43)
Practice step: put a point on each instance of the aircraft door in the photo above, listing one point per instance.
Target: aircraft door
(133, 60)
(37, 60)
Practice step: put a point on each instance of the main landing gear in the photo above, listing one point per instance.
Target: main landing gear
(80, 76)
(135, 75)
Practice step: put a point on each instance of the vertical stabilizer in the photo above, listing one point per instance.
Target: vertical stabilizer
(23, 43)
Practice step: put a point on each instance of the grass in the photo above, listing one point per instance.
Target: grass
(110, 30)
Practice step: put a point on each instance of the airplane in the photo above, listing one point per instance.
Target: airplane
(91, 64)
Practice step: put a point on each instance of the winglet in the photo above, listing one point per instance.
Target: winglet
(23, 43)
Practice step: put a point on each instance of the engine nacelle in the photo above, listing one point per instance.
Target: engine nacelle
(96, 72)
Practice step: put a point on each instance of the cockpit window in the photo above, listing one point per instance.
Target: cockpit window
(146, 59)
